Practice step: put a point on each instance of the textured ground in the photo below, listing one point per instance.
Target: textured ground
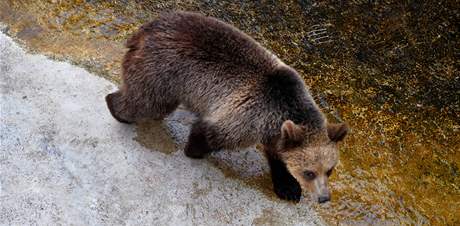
(65, 160)
(390, 69)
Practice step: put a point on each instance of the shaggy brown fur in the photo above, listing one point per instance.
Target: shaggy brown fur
(241, 92)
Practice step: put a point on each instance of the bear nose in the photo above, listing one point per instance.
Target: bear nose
(323, 199)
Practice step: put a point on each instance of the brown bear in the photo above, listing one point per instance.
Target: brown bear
(242, 93)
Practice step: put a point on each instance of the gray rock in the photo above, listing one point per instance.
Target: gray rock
(65, 160)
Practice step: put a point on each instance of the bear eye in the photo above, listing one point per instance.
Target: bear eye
(329, 172)
(309, 175)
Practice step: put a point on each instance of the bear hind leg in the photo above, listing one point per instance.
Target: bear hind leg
(119, 108)
(126, 110)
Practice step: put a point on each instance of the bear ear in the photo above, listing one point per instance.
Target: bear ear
(336, 132)
(292, 134)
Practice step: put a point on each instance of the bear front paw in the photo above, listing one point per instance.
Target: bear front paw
(195, 152)
(288, 192)
(284, 184)
(197, 147)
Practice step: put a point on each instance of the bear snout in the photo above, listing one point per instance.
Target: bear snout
(324, 198)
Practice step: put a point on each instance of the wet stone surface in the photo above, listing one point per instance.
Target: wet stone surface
(389, 69)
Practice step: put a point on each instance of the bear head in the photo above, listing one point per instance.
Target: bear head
(311, 155)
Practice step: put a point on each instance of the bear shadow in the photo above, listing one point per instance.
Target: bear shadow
(170, 135)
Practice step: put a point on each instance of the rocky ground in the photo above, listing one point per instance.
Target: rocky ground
(65, 161)
(387, 68)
